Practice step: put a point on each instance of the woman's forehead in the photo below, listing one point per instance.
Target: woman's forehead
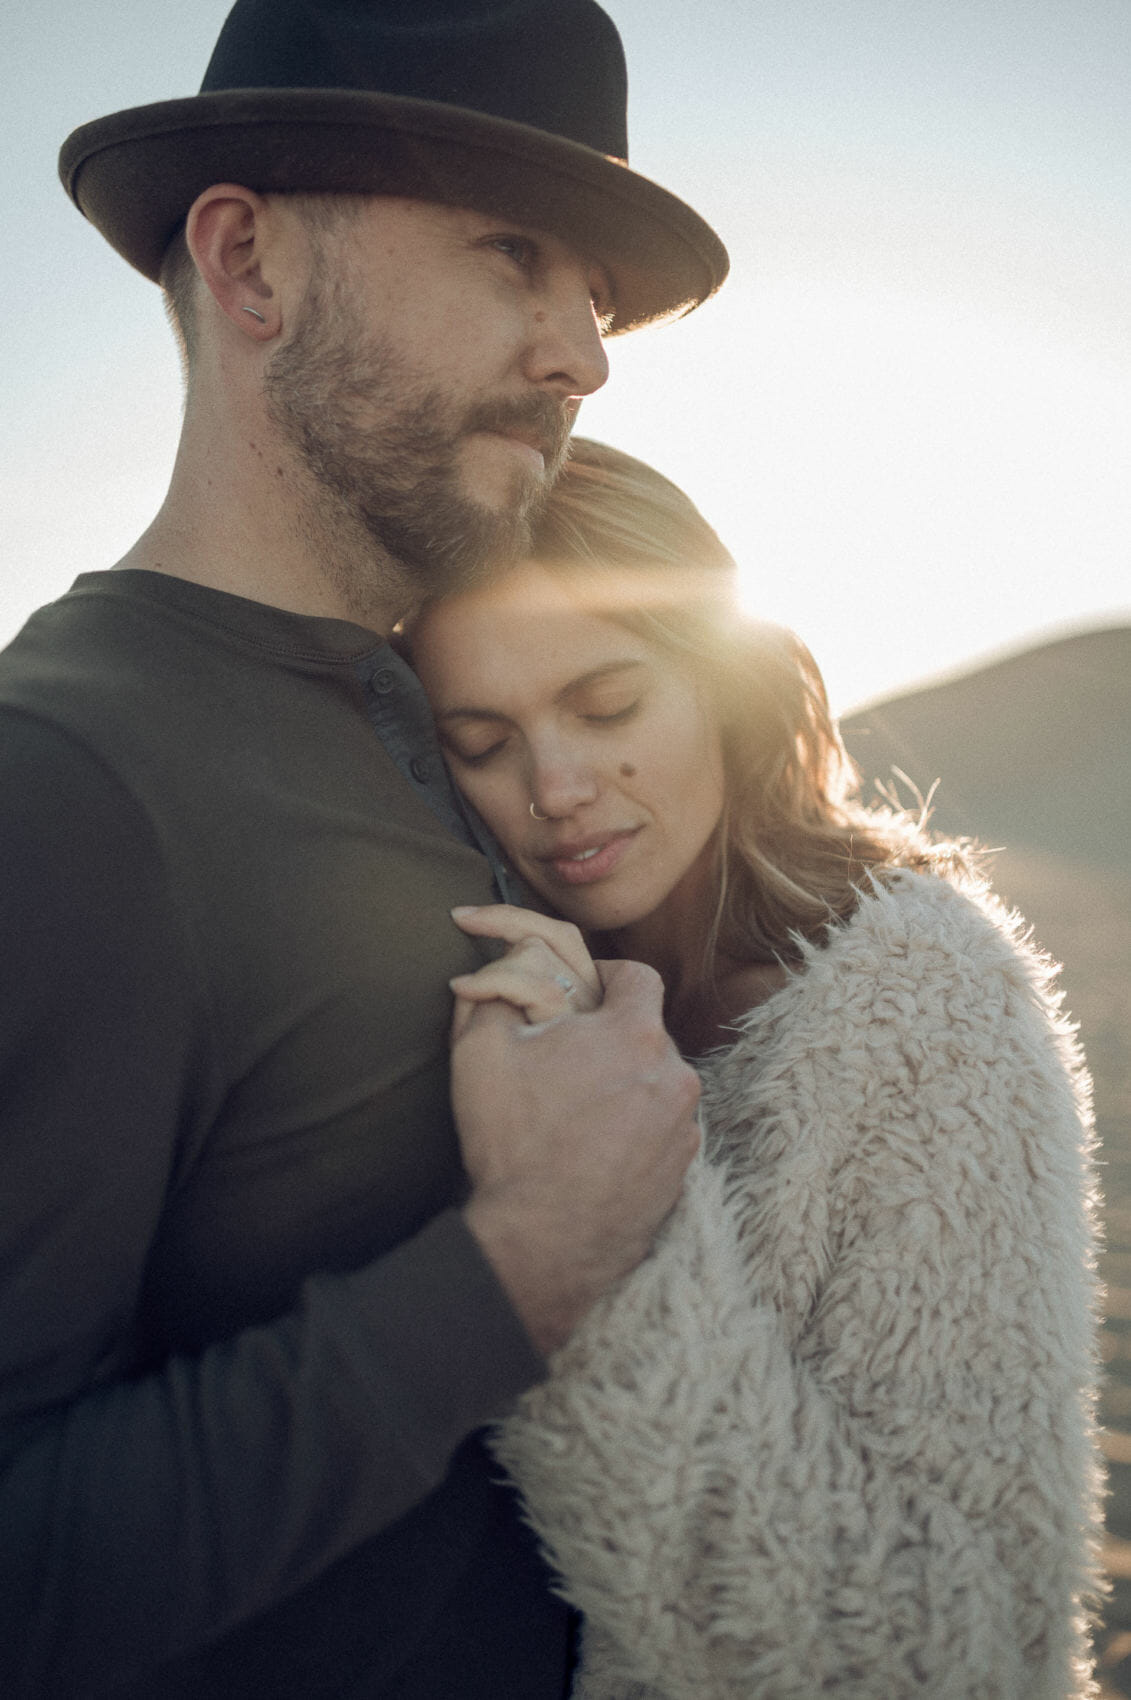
(532, 650)
(536, 593)
(528, 605)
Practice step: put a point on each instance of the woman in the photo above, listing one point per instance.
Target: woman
(835, 1435)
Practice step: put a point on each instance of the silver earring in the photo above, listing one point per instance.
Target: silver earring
(255, 313)
(536, 815)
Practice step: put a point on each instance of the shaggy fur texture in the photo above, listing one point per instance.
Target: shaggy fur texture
(836, 1435)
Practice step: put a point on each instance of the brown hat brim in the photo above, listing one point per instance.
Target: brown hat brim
(135, 174)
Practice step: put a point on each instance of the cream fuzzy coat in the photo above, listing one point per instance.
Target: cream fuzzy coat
(835, 1435)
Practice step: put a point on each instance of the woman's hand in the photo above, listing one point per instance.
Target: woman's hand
(547, 972)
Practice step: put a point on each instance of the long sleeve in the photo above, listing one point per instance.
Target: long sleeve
(144, 1511)
(836, 1435)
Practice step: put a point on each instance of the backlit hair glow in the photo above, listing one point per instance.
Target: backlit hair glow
(796, 845)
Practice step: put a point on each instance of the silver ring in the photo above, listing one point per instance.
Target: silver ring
(566, 984)
(536, 815)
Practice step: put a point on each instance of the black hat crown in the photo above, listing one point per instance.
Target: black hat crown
(555, 64)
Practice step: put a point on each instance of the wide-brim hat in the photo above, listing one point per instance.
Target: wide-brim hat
(510, 107)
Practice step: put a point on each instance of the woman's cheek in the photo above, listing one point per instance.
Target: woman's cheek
(500, 805)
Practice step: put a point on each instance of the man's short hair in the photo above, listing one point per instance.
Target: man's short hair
(178, 282)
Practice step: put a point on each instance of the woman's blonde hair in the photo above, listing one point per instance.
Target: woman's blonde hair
(795, 844)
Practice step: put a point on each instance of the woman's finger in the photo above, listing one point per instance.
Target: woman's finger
(513, 925)
(465, 1009)
(534, 979)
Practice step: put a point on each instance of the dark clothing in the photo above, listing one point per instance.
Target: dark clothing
(401, 716)
(243, 1328)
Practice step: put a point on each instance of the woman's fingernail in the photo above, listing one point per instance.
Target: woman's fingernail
(464, 909)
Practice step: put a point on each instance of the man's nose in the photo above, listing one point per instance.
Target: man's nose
(567, 350)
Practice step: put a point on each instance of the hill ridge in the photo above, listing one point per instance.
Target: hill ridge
(1030, 750)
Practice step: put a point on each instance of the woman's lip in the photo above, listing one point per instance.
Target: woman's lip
(582, 864)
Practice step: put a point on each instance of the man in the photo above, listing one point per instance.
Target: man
(258, 1294)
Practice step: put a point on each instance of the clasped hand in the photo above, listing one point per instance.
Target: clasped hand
(575, 1112)
(547, 972)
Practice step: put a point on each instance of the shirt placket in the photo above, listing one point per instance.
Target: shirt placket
(399, 713)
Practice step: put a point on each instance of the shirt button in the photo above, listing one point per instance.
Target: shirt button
(419, 769)
(383, 682)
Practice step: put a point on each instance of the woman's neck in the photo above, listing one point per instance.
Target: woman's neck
(702, 1001)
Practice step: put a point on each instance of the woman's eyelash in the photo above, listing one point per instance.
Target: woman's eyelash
(592, 717)
(477, 758)
(613, 716)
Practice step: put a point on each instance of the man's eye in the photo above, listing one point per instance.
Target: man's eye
(518, 248)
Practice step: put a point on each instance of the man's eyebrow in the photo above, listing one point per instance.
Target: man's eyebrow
(592, 677)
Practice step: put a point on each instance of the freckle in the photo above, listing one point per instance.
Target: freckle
(278, 472)
(627, 770)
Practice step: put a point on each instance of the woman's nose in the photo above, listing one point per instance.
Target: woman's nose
(559, 786)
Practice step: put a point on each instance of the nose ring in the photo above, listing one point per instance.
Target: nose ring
(536, 815)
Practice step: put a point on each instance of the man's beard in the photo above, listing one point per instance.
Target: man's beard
(382, 448)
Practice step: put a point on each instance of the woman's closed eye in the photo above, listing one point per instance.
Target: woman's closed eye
(608, 711)
(474, 752)
(475, 747)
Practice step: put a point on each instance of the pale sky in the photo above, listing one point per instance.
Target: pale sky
(908, 412)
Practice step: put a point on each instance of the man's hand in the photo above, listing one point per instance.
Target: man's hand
(576, 1135)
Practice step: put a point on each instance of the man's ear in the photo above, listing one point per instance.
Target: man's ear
(229, 232)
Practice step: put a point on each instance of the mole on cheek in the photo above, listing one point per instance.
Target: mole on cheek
(627, 770)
